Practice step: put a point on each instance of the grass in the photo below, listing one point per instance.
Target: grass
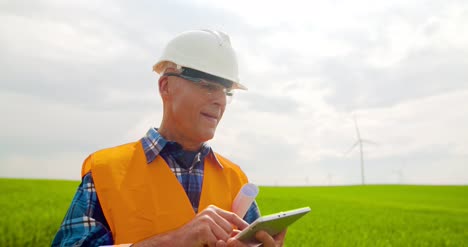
(374, 215)
(32, 211)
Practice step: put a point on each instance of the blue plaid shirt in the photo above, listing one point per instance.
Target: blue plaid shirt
(85, 224)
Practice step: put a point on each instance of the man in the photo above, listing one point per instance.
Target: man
(169, 188)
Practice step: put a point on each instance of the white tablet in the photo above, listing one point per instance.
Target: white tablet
(273, 224)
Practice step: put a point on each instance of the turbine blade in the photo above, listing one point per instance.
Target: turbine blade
(369, 142)
(357, 128)
(351, 148)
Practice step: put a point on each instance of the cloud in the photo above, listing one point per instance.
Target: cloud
(75, 52)
(266, 103)
(76, 77)
(403, 60)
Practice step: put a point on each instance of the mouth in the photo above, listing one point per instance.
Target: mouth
(210, 117)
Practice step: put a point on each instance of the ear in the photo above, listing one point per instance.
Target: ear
(163, 84)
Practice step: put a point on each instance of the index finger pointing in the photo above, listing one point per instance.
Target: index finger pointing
(233, 218)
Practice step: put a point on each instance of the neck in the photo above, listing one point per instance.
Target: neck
(175, 136)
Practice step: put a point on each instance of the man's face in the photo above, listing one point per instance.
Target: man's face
(194, 111)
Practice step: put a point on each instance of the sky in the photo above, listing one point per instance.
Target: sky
(76, 77)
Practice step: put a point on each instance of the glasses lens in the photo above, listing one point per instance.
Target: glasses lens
(207, 86)
(210, 87)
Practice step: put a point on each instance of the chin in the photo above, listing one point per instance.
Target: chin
(207, 135)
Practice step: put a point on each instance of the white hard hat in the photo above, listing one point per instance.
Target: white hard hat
(204, 50)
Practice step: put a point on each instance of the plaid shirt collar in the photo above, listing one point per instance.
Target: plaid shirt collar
(153, 144)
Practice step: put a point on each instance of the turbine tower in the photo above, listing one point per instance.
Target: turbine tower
(359, 142)
(399, 173)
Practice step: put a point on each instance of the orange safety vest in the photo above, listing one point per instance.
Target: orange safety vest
(140, 200)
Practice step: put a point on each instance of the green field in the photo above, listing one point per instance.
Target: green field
(341, 216)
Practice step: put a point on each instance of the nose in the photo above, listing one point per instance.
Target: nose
(218, 97)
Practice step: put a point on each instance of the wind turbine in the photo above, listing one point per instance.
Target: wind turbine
(399, 173)
(359, 142)
(330, 176)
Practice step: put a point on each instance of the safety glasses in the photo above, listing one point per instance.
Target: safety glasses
(206, 82)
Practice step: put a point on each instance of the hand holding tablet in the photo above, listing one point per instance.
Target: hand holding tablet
(272, 224)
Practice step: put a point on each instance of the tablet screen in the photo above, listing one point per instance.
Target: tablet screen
(273, 224)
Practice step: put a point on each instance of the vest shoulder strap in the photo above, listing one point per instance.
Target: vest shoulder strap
(232, 166)
(119, 153)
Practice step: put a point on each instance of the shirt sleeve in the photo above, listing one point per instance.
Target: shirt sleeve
(252, 214)
(84, 224)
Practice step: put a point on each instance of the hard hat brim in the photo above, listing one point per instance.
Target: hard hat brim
(159, 67)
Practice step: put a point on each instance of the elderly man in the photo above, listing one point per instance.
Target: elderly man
(169, 188)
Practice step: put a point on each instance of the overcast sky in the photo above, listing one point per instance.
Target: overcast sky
(76, 77)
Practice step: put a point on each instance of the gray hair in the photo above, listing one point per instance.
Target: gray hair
(168, 65)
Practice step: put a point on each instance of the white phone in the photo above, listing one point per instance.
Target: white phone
(273, 224)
